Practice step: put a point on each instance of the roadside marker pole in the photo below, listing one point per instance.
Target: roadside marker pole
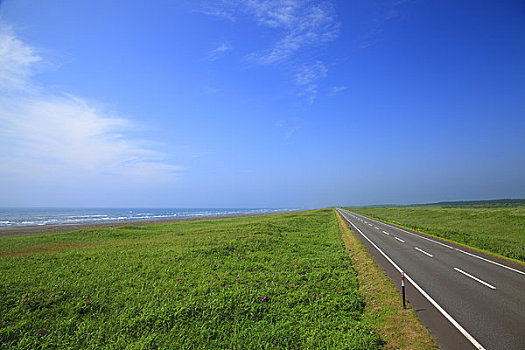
(466, 334)
(403, 288)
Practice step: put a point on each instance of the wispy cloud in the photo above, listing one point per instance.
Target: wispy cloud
(220, 8)
(337, 89)
(209, 89)
(288, 126)
(16, 61)
(219, 51)
(387, 11)
(298, 26)
(307, 76)
(63, 133)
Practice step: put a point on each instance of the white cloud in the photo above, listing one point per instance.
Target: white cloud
(219, 8)
(16, 60)
(387, 11)
(307, 74)
(338, 89)
(297, 25)
(306, 78)
(300, 25)
(288, 127)
(219, 51)
(309, 92)
(63, 134)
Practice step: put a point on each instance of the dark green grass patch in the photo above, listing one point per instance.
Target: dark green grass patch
(497, 230)
(277, 282)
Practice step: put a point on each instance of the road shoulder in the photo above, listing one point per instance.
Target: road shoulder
(400, 328)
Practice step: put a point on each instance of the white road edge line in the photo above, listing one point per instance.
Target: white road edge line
(399, 239)
(432, 301)
(474, 278)
(490, 261)
(457, 249)
(386, 233)
(422, 251)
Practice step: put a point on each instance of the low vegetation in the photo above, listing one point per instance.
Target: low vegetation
(495, 203)
(276, 281)
(494, 227)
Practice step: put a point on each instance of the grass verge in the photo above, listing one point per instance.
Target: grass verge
(498, 231)
(278, 281)
(400, 328)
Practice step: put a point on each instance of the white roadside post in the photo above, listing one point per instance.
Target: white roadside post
(403, 288)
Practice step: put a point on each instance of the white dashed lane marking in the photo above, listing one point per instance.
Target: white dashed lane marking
(422, 251)
(475, 278)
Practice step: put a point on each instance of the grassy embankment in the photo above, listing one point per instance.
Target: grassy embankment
(276, 281)
(490, 228)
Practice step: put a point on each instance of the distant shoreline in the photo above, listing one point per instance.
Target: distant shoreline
(37, 229)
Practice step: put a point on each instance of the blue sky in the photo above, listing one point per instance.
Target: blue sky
(260, 103)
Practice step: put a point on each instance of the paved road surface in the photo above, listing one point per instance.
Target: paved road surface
(466, 299)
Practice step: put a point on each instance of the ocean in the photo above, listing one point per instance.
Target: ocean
(10, 217)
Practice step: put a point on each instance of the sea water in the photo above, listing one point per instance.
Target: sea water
(10, 217)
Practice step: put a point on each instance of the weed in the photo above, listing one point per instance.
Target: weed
(276, 281)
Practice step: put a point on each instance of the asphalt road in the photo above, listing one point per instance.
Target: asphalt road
(465, 298)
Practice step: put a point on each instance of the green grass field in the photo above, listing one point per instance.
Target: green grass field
(499, 230)
(277, 281)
